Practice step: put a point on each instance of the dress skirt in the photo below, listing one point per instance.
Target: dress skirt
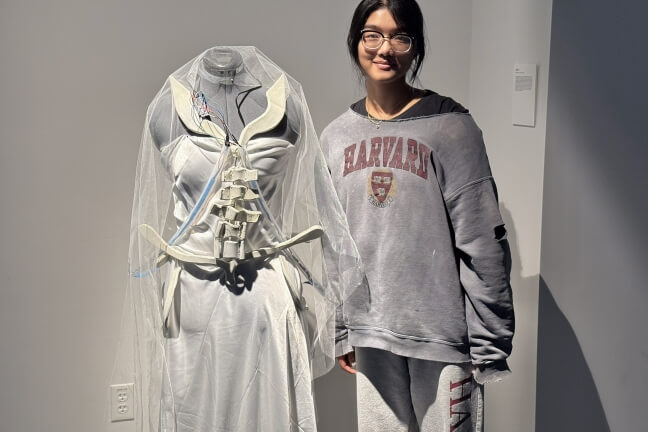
(239, 362)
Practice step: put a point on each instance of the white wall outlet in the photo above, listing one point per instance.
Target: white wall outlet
(122, 403)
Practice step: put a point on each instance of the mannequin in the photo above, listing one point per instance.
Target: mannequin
(239, 251)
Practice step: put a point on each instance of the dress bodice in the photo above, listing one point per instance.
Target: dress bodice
(197, 156)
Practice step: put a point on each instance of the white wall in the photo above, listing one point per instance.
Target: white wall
(505, 32)
(594, 244)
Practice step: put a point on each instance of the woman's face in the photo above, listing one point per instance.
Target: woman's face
(384, 65)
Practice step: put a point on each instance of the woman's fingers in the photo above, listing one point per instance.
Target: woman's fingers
(347, 362)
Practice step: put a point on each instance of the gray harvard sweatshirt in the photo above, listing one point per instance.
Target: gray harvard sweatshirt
(422, 207)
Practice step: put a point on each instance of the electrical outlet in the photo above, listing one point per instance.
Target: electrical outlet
(122, 403)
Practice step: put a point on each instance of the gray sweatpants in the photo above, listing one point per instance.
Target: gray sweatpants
(404, 394)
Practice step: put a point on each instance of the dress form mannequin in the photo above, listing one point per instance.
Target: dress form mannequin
(232, 99)
(222, 346)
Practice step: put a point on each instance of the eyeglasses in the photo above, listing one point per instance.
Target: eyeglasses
(372, 40)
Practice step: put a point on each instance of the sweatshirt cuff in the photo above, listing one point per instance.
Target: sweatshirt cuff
(342, 345)
(491, 372)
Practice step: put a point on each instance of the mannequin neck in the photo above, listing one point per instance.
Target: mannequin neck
(221, 66)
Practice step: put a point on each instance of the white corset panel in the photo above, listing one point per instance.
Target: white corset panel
(191, 160)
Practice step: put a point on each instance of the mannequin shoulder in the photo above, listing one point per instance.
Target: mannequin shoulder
(160, 115)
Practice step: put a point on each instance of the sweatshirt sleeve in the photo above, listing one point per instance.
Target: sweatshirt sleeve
(482, 250)
(342, 345)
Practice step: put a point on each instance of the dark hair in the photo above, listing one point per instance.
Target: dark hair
(407, 15)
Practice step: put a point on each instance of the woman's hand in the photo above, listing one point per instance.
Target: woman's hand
(347, 362)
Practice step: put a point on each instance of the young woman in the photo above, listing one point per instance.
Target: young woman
(411, 170)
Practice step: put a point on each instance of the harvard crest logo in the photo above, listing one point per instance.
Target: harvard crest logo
(381, 188)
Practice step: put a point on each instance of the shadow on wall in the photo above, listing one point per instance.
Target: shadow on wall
(335, 402)
(566, 395)
(510, 404)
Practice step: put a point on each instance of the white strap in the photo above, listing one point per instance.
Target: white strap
(175, 251)
(291, 275)
(309, 234)
(276, 97)
(170, 292)
(180, 254)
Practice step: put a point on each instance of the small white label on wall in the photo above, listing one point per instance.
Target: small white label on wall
(524, 94)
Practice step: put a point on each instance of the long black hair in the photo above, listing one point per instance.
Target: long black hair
(407, 15)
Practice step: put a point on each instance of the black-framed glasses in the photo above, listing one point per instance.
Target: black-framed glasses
(372, 40)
